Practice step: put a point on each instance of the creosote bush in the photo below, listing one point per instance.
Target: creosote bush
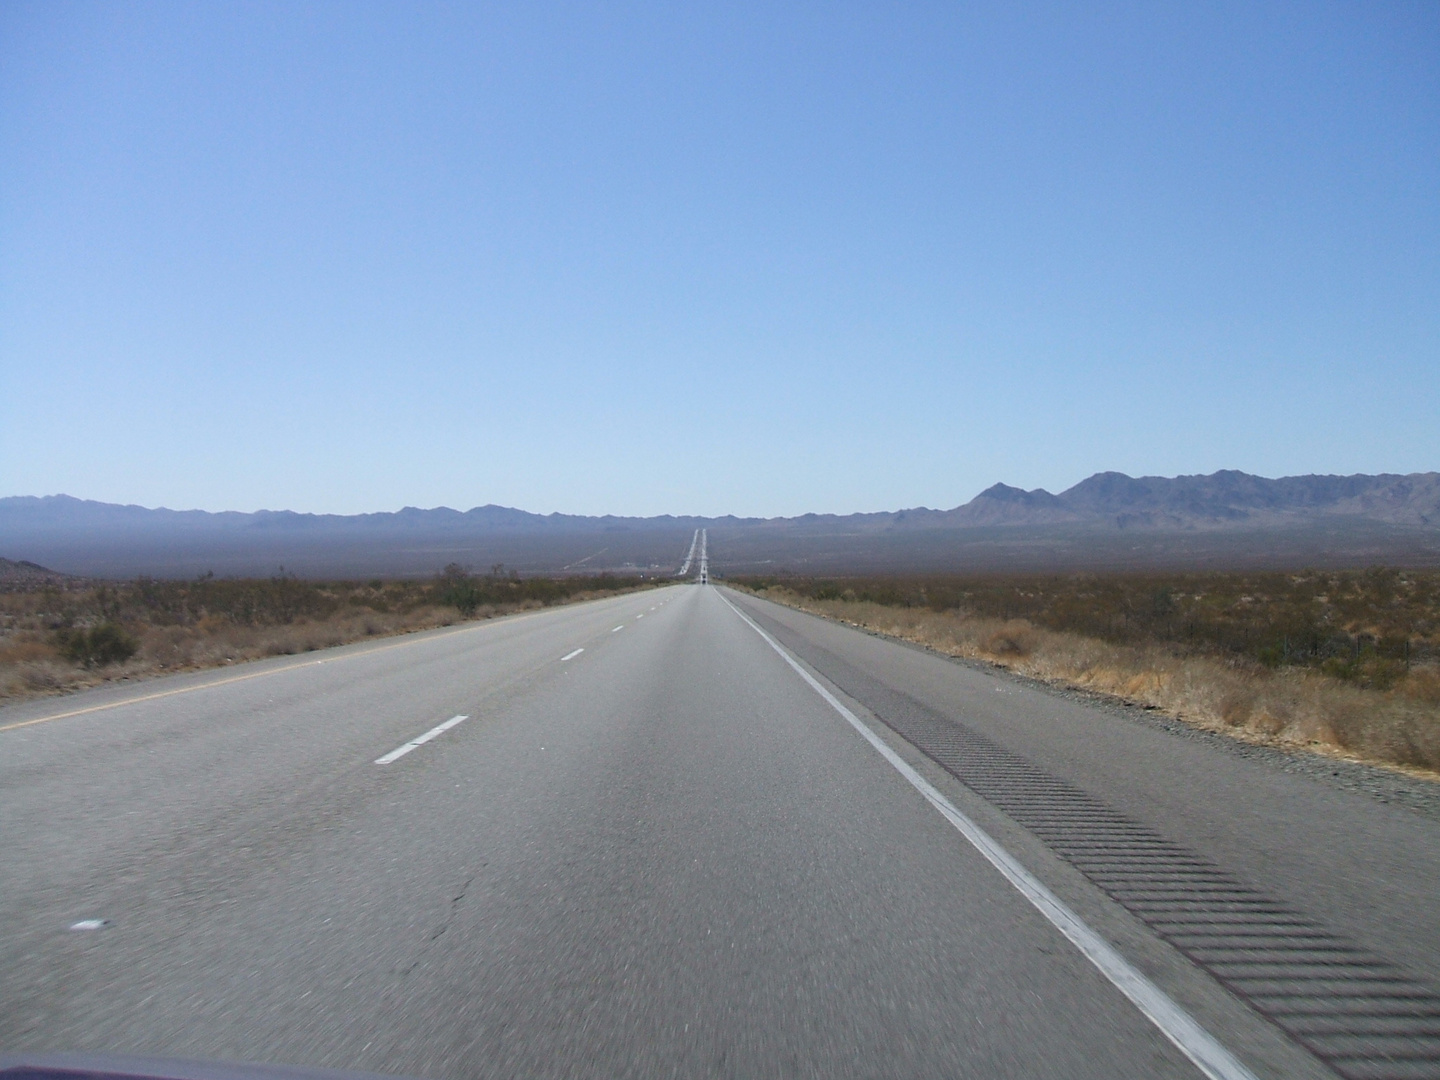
(101, 645)
(1343, 660)
(1366, 627)
(78, 633)
(457, 587)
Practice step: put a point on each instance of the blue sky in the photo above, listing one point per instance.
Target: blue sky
(761, 259)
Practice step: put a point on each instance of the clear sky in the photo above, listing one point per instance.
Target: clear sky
(753, 259)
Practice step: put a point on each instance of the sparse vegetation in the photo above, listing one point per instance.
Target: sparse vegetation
(1345, 660)
(100, 645)
(73, 633)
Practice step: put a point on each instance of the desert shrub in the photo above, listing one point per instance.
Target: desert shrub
(63, 636)
(1015, 639)
(456, 588)
(101, 645)
(468, 593)
(1366, 702)
(39, 677)
(1369, 628)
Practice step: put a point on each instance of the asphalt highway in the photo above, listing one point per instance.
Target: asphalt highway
(654, 846)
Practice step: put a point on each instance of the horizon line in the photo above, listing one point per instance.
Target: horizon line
(702, 516)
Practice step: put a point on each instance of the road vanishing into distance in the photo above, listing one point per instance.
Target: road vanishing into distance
(697, 552)
(689, 833)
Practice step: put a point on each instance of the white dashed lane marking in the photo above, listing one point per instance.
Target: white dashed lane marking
(401, 751)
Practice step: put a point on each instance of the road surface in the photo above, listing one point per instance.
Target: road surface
(655, 846)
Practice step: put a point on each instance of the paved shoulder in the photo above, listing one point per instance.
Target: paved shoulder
(1314, 906)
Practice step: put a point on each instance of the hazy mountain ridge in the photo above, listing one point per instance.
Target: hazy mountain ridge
(1112, 498)
(25, 512)
(22, 576)
(1223, 498)
(1353, 519)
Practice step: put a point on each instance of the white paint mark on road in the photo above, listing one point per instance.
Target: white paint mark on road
(617, 629)
(689, 556)
(416, 639)
(90, 924)
(401, 751)
(1202, 1048)
(571, 655)
(640, 616)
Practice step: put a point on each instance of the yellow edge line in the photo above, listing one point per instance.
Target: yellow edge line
(252, 675)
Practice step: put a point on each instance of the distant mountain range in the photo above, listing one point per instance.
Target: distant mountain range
(1222, 499)
(1109, 519)
(27, 576)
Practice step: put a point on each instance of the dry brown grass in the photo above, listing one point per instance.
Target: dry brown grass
(31, 664)
(1290, 707)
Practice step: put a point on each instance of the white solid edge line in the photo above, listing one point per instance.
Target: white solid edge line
(401, 751)
(1202, 1048)
(572, 655)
